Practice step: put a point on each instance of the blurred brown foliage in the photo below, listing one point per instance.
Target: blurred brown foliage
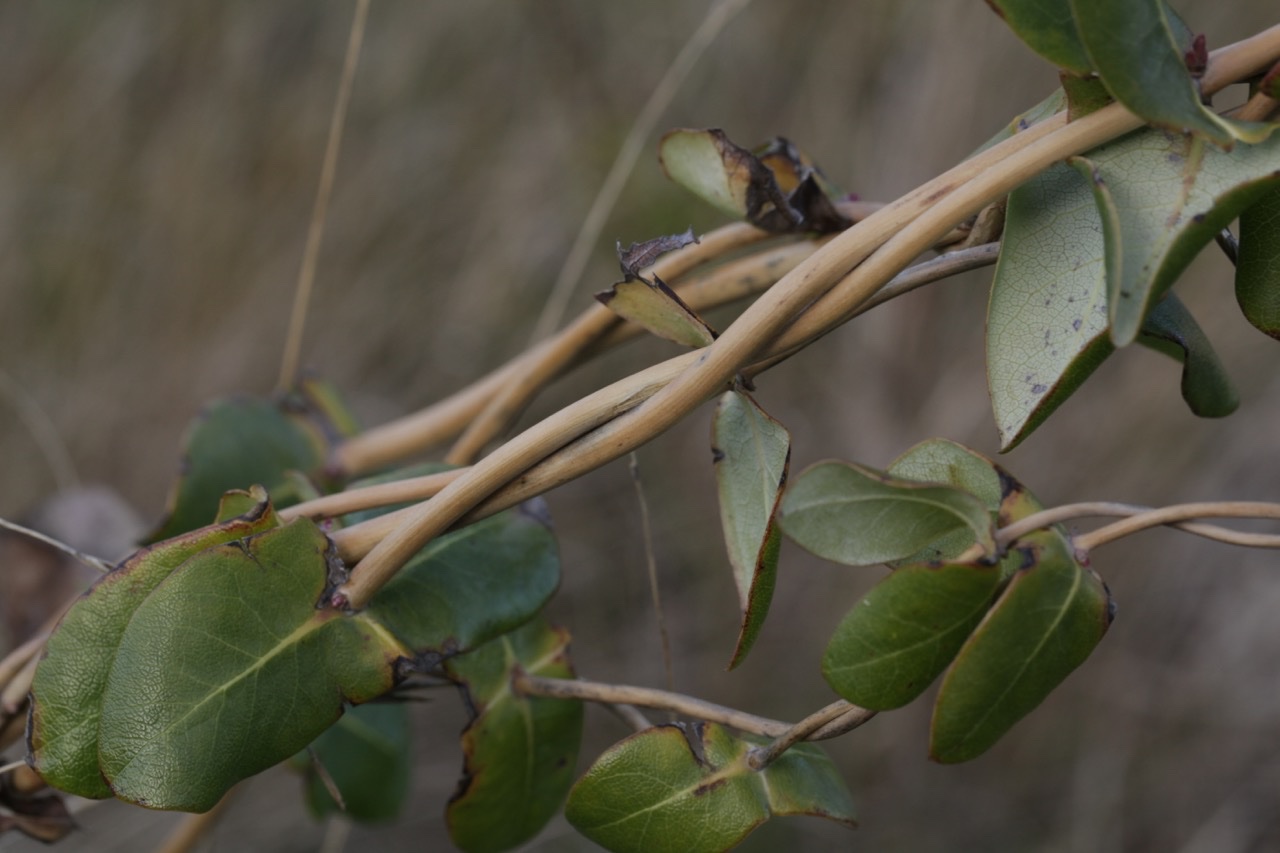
(157, 168)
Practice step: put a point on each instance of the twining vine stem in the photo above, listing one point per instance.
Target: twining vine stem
(1142, 517)
(813, 298)
(834, 724)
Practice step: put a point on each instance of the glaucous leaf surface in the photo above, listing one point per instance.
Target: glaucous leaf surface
(1134, 47)
(858, 516)
(752, 453)
(654, 793)
(520, 752)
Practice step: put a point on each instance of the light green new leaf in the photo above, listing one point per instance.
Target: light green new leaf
(520, 752)
(858, 516)
(66, 695)
(1134, 48)
(1258, 266)
(1047, 27)
(658, 309)
(1046, 623)
(229, 667)
(366, 754)
(1168, 196)
(1047, 322)
(752, 453)
(651, 793)
(1206, 387)
(904, 632)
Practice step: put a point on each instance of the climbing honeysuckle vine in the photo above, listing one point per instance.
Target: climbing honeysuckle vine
(310, 576)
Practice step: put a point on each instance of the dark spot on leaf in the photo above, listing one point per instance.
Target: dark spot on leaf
(707, 788)
(1039, 388)
(1198, 218)
(717, 455)
(1076, 323)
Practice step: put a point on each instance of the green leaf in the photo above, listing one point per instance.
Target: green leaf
(904, 632)
(1206, 387)
(470, 586)
(937, 460)
(236, 443)
(858, 516)
(1133, 47)
(657, 308)
(653, 793)
(228, 667)
(366, 754)
(1169, 196)
(66, 695)
(1047, 27)
(1046, 623)
(752, 454)
(1047, 323)
(520, 752)
(1258, 266)
(1047, 318)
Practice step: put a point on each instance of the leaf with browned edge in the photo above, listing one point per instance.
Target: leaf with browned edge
(520, 752)
(66, 695)
(1046, 623)
(654, 793)
(752, 453)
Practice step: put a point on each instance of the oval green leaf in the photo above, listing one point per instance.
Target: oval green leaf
(1258, 266)
(752, 454)
(1206, 387)
(470, 586)
(652, 793)
(1048, 28)
(1170, 195)
(228, 667)
(366, 755)
(938, 460)
(1047, 315)
(1134, 49)
(1047, 621)
(520, 752)
(860, 517)
(66, 695)
(235, 443)
(904, 632)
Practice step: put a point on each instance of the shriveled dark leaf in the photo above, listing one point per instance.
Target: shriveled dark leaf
(638, 256)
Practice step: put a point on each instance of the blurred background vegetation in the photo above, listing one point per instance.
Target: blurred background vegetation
(158, 163)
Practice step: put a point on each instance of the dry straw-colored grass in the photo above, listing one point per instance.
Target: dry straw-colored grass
(158, 164)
